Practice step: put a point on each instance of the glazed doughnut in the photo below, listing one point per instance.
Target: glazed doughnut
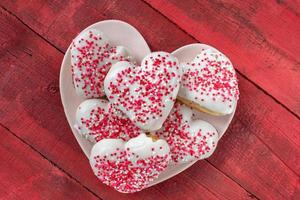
(129, 166)
(97, 119)
(189, 139)
(209, 83)
(146, 93)
(91, 57)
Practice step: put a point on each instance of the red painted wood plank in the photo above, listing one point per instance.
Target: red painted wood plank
(284, 138)
(25, 174)
(30, 107)
(261, 38)
(164, 36)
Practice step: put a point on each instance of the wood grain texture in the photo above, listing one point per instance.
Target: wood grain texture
(169, 36)
(25, 174)
(30, 107)
(260, 152)
(260, 37)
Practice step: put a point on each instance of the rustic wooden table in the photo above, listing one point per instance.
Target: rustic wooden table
(259, 156)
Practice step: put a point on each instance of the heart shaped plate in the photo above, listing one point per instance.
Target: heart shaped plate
(122, 33)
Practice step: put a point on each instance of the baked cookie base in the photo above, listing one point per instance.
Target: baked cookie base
(197, 107)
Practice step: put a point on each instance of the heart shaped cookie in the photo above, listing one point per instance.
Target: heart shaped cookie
(209, 83)
(189, 139)
(146, 93)
(129, 166)
(91, 57)
(97, 119)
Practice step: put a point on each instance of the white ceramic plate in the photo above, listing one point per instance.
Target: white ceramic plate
(121, 33)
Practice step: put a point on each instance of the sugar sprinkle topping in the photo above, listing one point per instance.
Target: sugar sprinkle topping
(92, 56)
(109, 122)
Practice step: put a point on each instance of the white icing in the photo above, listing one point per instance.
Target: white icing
(106, 147)
(145, 147)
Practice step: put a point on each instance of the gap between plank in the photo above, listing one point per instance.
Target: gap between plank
(50, 161)
(239, 72)
(250, 194)
(149, 5)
